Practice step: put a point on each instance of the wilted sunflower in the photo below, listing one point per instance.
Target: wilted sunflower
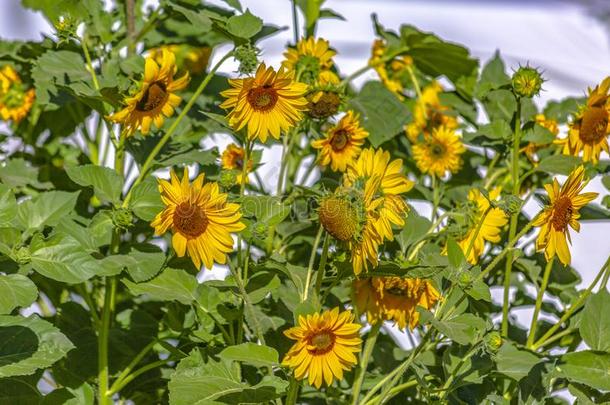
(342, 144)
(439, 153)
(429, 113)
(561, 211)
(311, 60)
(156, 98)
(15, 101)
(233, 159)
(394, 299)
(268, 103)
(489, 231)
(325, 348)
(590, 128)
(190, 58)
(200, 218)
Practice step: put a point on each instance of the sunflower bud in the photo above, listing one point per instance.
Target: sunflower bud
(510, 204)
(22, 255)
(65, 28)
(228, 178)
(122, 218)
(339, 216)
(260, 230)
(324, 104)
(465, 279)
(527, 82)
(247, 56)
(493, 341)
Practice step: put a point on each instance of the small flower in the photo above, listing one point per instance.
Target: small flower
(527, 82)
(429, 114)
(268, 103)
(311, 59)
(193, 59)
(200, 218)
(325, 346)
(342, 143)
(15, 101)
(439, 152)
(233, 159)
(561, 211)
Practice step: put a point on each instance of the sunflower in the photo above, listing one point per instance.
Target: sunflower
(200, 218)
(311, 60)
(561, 211)
(394, 299)
(156, 97)
(489, 231)
(390, 72)
(193, 59)
(429, 113)
(267, 103)
(439, 153)
(15, 101)
(233, 159)
(342, 143)
(590, 128)
(325, 346)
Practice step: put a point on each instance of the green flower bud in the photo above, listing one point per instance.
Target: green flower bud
(493, 341)
(247, 56)
(122, 218)
(465, 279)
(260, 230)
(22, 255)
(527, 82)
(228, 178)
(510, 204)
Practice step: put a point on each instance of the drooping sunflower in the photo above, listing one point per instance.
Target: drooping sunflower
(590, 127)
(268, 103)
(439, 153)
(200, 218)
(390, 72)
(233, 159)
(325, 346)
(342, 144)
(394, 299)
(429, 113)
(311, 60)
(193, 59)
(562, 210)
(493, 223)
(15, 101)
(156, 98)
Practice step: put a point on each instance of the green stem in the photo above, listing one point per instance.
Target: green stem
(558, 336)
(136, 374)
(312, 260)
(322, 266)
(136, 360)
(293, 392)
(153, 154)
(445, 388)
(415, 85)
(365, 69)
(131, 26)
(364, 361)
(103, 374)
(82, 291)
(435, 198)
(295, 22)
(83, 44)
(432, 228)
(476, 231)
(545, 282)
(397, 389)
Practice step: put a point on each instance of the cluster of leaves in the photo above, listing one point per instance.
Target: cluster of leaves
(174, 339)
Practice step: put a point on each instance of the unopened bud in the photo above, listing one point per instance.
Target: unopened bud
(247, 56)
(122, 218)
(228, 178)
(493, 341)
(527, 82)
(22, 255)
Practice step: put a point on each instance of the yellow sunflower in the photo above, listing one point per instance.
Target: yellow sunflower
(156, 97)
(429, 113)
(493, 223)
(233, 159)
(310, 60)
(590, 128)
(439, 153)
(325, 346)
(389, 72)
(15, 101)
(394, 299)
(342, 144)
(268, 103)
(193, 59)
(561, 211)
(200, 218)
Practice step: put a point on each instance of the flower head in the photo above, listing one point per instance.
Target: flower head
(233, 159)
(193, 59)
(268, 103)
(342, 144)
(439, 152)
(200, 218)
(325, 346)
(429, 113)
(390, 72)
(561, 212)
(156, 98)
(311, 60)
(15, 101)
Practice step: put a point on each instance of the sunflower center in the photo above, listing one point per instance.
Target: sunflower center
(190, 220)
(154, 96)
(594, 125)
(562, 213)
(339, 140)
(437, 150)
(398, 291)
(338, 217)
(323, 342)
(262, 98)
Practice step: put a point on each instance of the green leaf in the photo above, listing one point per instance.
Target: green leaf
(19, 391)
(455, 254)
(235, 4)
(493, 75)
(251, 353)
(198, 19)
(463, 329)
(558, 164)
(18, 173)
(145, 262)
(47, 209)
(261, 284)
(594, 324)
(382, 114)
(170, 285)
(415, 229)
(513, 362)
(146, 200)
(8, 205)
(245, 25)
(28, 344)
(16, 291)
(587, 367)
(106, 183)
(500, 105)
(538, 135)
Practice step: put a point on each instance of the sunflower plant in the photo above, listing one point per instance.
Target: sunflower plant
(286, 234)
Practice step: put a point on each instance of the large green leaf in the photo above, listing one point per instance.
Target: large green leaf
(19, 391)
(251, 353)
(47, 209)
(594, 324)
(8, 205)
(513, 362)
(106, 182)
(558, 164)
(146, 200)
(28, 344)
(463, 329)
(16, 291)
(170, 285)
(587, 367)
(245, 25)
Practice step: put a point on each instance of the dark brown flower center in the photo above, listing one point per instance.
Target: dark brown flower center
(190, 220)
(322, 341)
(262, 98)
(437, 150)
(154, 96)
(399, 292)
(562, 213)
(339, 140)
(594, 125)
